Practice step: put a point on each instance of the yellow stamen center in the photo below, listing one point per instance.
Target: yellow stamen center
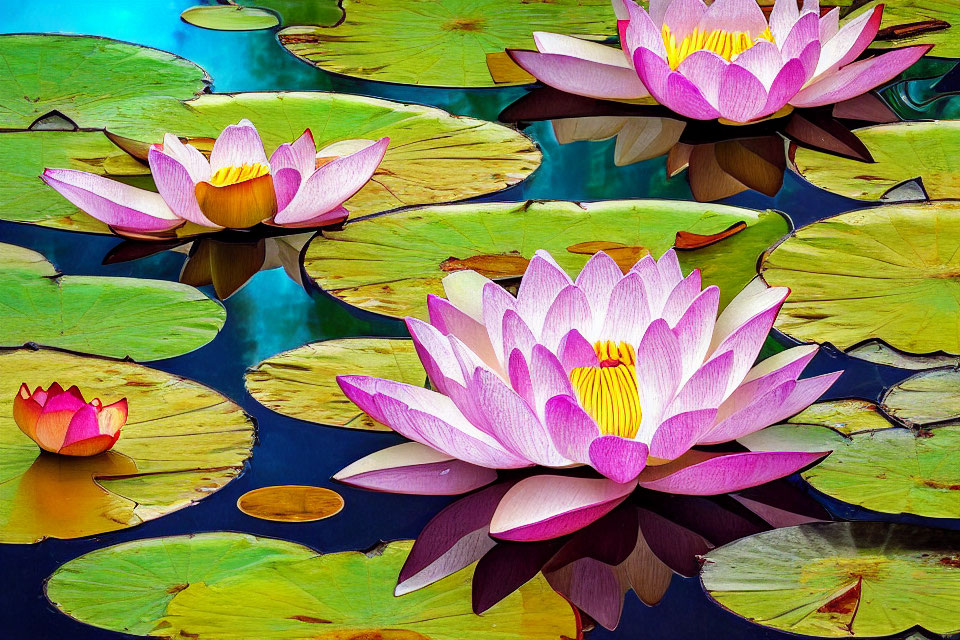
(609, 392)
(233, 175)
(726, 44)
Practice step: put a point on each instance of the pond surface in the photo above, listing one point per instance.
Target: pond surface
(272, 314)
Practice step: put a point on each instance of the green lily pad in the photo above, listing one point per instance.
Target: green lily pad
(225, 17)
(302, 383)
(849, 416)
(119, 317)
(439, 42)
(85, 78)
(324, 13)
(24, 198)
(910, 22)
(433, 156)
(182, 441)
(841, 579)
(879, 353)
(902, 152)
(223, 585)
(388, 264)
(889, 273)
(930, 397)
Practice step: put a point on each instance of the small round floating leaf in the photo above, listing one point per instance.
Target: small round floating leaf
(388, 264)
(880, 353)
(902, 152)
(433, 156)
(890, 273)
(229, 17)
(323, 13)
(845, 416)
(142, 319)
(926, 398)
(87, 79)
(841, 579)
(182, 441)
(24, 198)
(439, 42)
(302, 383)
(912, 22)
(291, 503)
(224, 585)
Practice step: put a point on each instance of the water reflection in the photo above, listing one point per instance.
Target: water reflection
(719, 160)
(638, 546)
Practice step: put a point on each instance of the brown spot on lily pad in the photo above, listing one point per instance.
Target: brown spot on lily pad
(911, 29)
(492, 266)
(625, 256)
(687, 240)
(951, 561)
(291, 503)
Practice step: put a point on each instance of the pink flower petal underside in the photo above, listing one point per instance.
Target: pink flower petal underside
(734, 15)
(544, 507)
(334, 183)
(597, 280)
(570, 427)
(742, 95)
(414, 468)
(237, 145)
(450, 320)
(706, 388)
(850, 41)
(677, 434)
(670, 88)
(176, 187)
(286, 183)
(704, 69)
(620, 459)
(705, 474)
(627, 316)
(581, 77)
(859, 77)
(113, 203)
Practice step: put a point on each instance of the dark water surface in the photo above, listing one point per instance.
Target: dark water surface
(272, 314)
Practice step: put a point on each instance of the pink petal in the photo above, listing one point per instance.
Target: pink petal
(694, 329)
(286, 183)
(620, 459)
(544, 507)
(704, 69)
(641, 33)
(516, 334)
(435, 354)
(677, 434)
(597, 280)
(571, 429)
(415, 468)
(658, 374)
(548, 378)
(850, 41)
(83, 426)
(802, 37)
(705, 474)
(682, 16)
(762, 60)
(784, 15)
(334, 183)
(575, 351)
(785, 86)
(627, 316)
(655, 288)
(570, 310)
(113, 203)
(237, 145)
(464, 290)
(449, 320)
(542, 282)
(496, 303)
(186, 154)
(829, 24)
(581, 77)
(742, 96)
(670, 88)
(706, 388)
(734, 15)
(519, 373)
(300, 155)
(681, 298)
(112, 417)
(859, 77)
(176, 187)
(669, 268)
(333, 216)
(770, 373)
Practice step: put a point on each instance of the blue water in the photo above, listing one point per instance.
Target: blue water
(272, 314)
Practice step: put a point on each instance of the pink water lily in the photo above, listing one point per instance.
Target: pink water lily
(63, 422)
(624, 373)
(725, 60)
(237, 188)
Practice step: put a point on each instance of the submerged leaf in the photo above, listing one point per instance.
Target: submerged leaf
(290, 503)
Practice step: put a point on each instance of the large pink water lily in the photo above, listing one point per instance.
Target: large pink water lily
(237, 188)
(624, 373)
(725, 60)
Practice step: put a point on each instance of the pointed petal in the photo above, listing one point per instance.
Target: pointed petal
(449, 320)
(658, 375)
(176, 187)
(783, 16)
(597, 280)
(576, 351)
(186, 154)
(542, 282)
(112, 417)
(742, 96)
(704, 69)
(670, 88)
(627, 315)
(571, 429)
(570, 310)
(682, 16)
(299, 155)
(734, 15)
(26, 411)
(694, 330)
(417, 469)
(849, 42)
(464, 290)
(83, 426)
(620, 459)
(677, 434)
(113, 203)
(237, 145)
(545, 506)
(641, 32)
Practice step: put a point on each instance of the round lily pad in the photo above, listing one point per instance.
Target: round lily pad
(225, 17)
(889, 273)
(439, 42)
(290, 503)
(224, 585)
(24, 198)
(322, 13)
(841, 579)
(848, 416)
(433, 156)
(120, 317)
(388, 264)
(86, 79)
(302, 383)
(910, 22)
(902, 152)
(182, 441)
(926, 398)
(880, 353)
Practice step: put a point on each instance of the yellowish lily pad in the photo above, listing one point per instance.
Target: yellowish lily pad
(290, 503)
(182, 441)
